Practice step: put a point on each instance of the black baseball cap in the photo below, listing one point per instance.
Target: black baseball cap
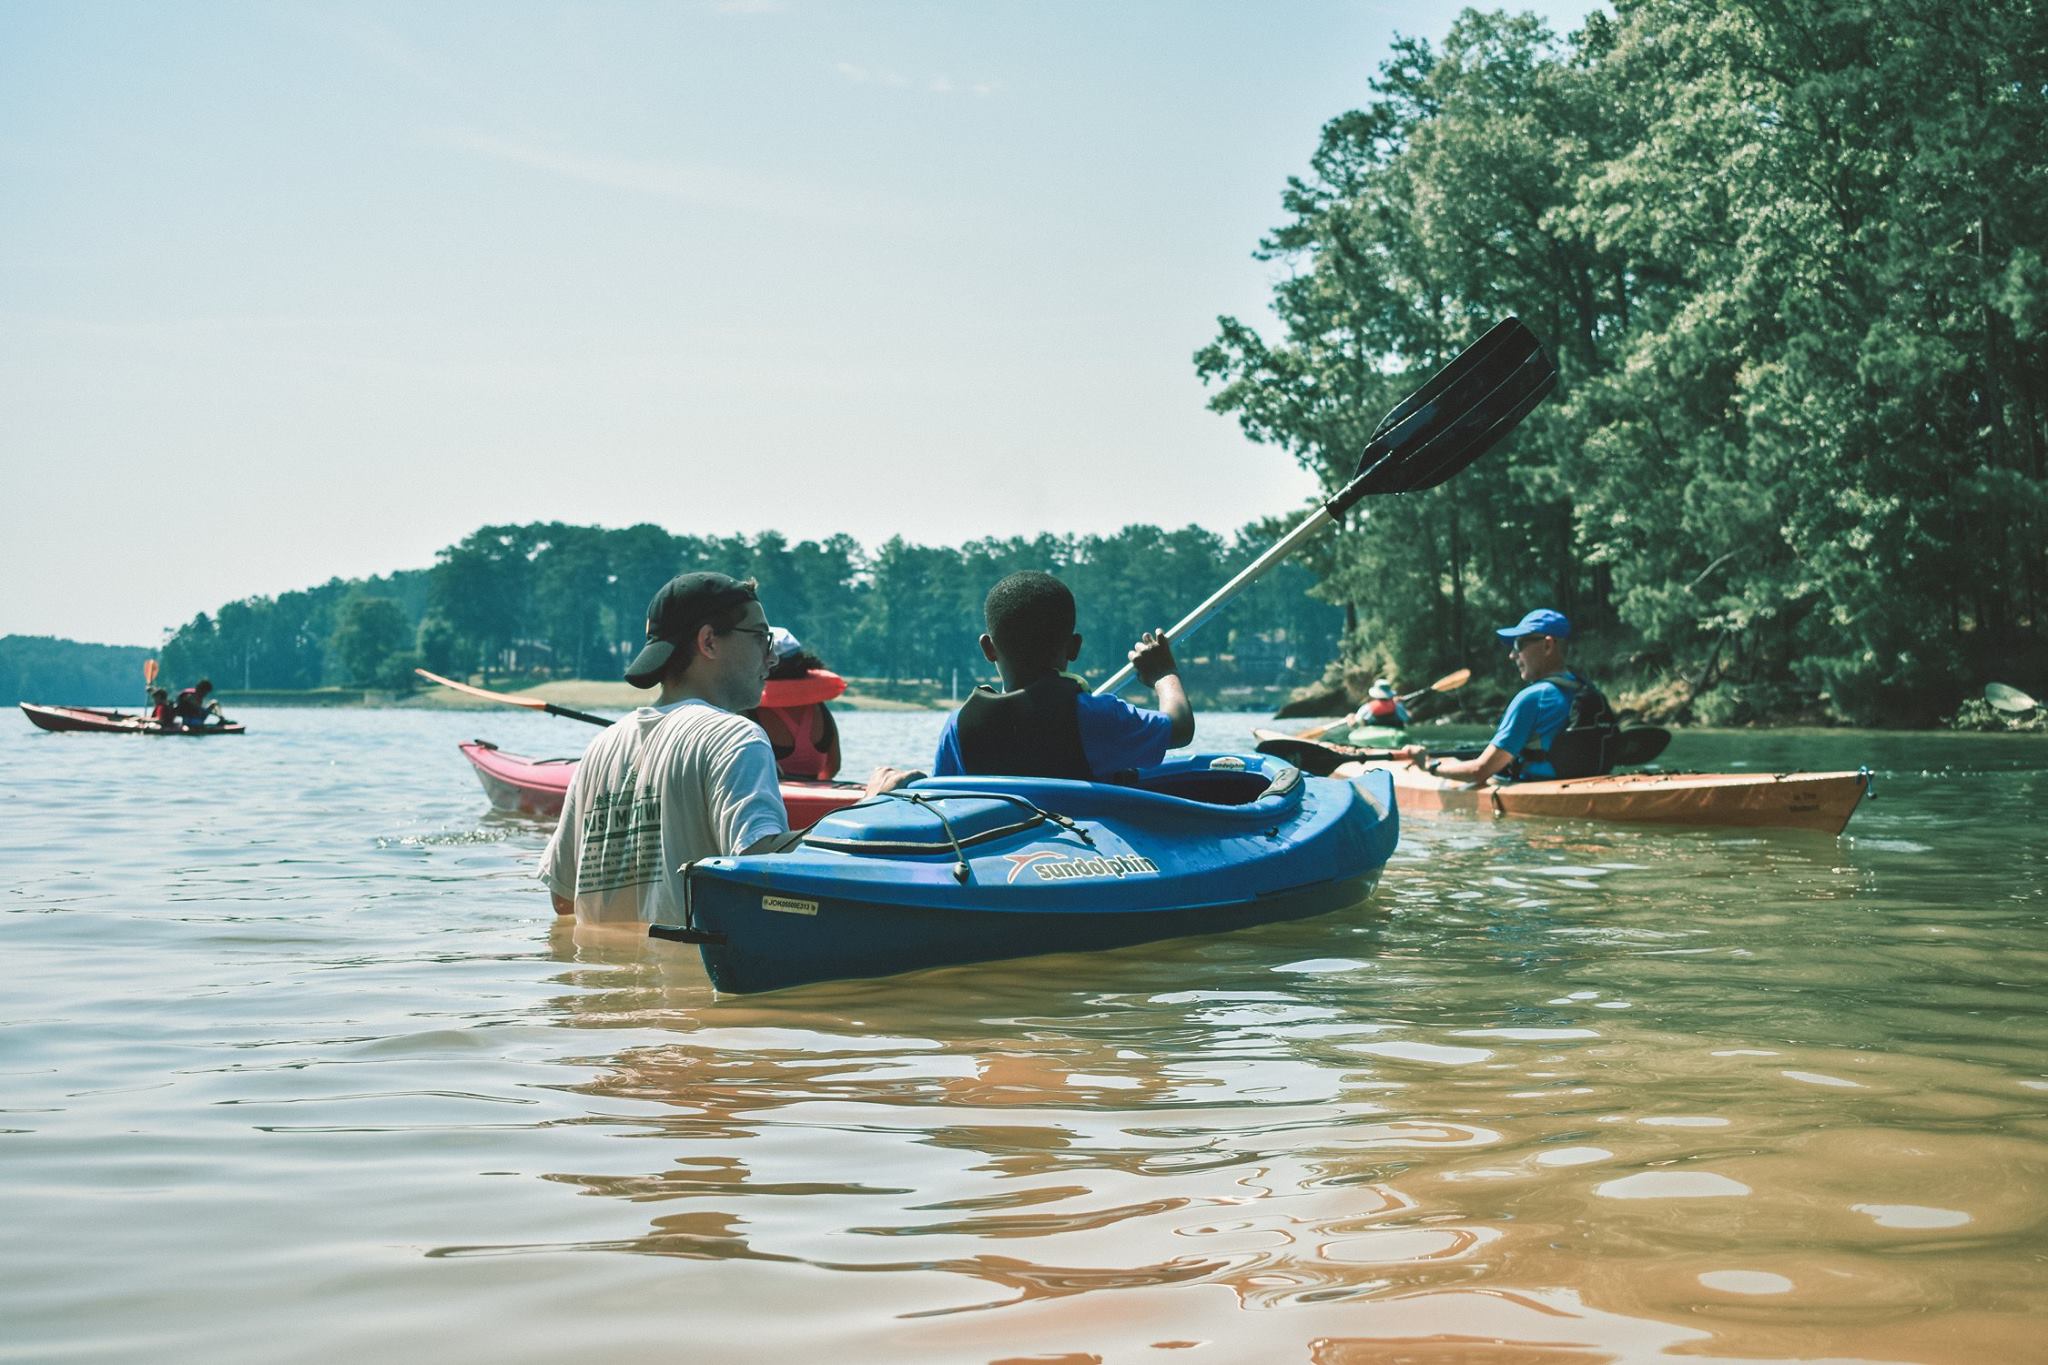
(685, 603)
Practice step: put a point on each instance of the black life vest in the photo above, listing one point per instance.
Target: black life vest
(1034, 731)
(1585, 746)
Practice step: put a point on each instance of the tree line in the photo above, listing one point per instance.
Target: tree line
(1791, 257)
(41, 668)
(550, 599)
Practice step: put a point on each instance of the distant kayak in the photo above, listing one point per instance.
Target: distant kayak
(1817, 801)
(975, 869)
(537, 786)
(86, 720)
(1377, 736)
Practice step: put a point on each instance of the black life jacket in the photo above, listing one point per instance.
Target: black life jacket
(1585, 747)
(1034, 731)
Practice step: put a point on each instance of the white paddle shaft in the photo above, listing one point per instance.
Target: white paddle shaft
(1199, 617)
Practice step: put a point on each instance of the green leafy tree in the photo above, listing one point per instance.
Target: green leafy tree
(370, 631)
(1788, 257)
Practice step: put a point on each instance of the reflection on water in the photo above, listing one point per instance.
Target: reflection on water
(1554, 1093)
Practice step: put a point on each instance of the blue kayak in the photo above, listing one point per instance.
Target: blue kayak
(972, 869)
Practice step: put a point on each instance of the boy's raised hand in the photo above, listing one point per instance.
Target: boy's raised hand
(1152, 657)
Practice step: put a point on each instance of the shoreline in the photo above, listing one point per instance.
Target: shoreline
(620, 698)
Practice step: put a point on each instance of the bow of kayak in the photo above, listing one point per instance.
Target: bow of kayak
(538, 786)
(1815, 801)
(957, 870)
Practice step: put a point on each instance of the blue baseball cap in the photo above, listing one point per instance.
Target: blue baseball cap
(1542, 621)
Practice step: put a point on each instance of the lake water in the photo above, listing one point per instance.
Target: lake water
(295, 1065)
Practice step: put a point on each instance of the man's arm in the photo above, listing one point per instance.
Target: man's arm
(558, 860)
(1490, 761)
(1152, 660)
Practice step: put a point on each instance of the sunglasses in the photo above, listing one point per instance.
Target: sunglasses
(1521, 642)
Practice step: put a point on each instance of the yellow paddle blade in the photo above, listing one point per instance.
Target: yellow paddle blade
(530, 703)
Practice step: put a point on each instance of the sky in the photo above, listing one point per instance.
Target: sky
(295, 290)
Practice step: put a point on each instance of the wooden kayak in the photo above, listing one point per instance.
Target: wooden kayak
(1817, 801)
(537, 786)
(87, 720)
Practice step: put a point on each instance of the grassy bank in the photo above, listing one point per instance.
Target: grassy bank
(595, 694)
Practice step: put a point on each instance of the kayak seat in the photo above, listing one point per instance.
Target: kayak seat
(1196, 791)
(1216, 787)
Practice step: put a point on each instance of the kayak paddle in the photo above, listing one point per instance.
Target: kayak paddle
(2010, 700)
(1449, 682)
(148, 674)
(1319, 758)
(1460, 414)
(530, 703)
(1636, 745)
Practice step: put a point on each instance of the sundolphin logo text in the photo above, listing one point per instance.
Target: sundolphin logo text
(1051, 867)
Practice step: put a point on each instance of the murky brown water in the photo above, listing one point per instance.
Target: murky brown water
(306, 1073)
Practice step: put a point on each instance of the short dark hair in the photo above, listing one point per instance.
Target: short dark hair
(726, 619)
(1030, 614)
(795, 666)
(203, 685)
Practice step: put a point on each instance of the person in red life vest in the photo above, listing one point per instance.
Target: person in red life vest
(195, 706)
(160, 707)
(1382, 707)
(800, 727)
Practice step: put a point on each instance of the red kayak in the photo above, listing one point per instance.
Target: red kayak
(536, 786)
(84, 718)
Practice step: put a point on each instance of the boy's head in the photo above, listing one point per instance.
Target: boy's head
(1030, 618)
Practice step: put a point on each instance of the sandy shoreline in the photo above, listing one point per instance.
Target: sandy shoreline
(593, 694)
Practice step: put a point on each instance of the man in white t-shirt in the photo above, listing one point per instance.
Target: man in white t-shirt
(684, 778)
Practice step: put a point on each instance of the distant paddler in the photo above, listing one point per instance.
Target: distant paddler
(1558, 725)
(1360, 719)
(196, 707)
(1382, 707)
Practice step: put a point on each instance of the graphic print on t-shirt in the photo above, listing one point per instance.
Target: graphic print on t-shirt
(621, 840)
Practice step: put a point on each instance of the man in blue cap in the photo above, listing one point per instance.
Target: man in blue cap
(1558, 725)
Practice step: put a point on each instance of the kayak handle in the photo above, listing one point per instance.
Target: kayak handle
(678, 933)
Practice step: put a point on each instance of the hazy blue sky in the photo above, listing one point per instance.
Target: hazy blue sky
(296, 290)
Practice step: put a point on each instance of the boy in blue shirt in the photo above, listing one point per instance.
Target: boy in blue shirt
(1044, 723)
(1521, 746)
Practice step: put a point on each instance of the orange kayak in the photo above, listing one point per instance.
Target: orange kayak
(1817, 801)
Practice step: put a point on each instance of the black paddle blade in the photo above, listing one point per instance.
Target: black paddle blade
(1460, 414)
(1504, 346)
(1637, 744)
(1311, 756)
(1319, 757)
